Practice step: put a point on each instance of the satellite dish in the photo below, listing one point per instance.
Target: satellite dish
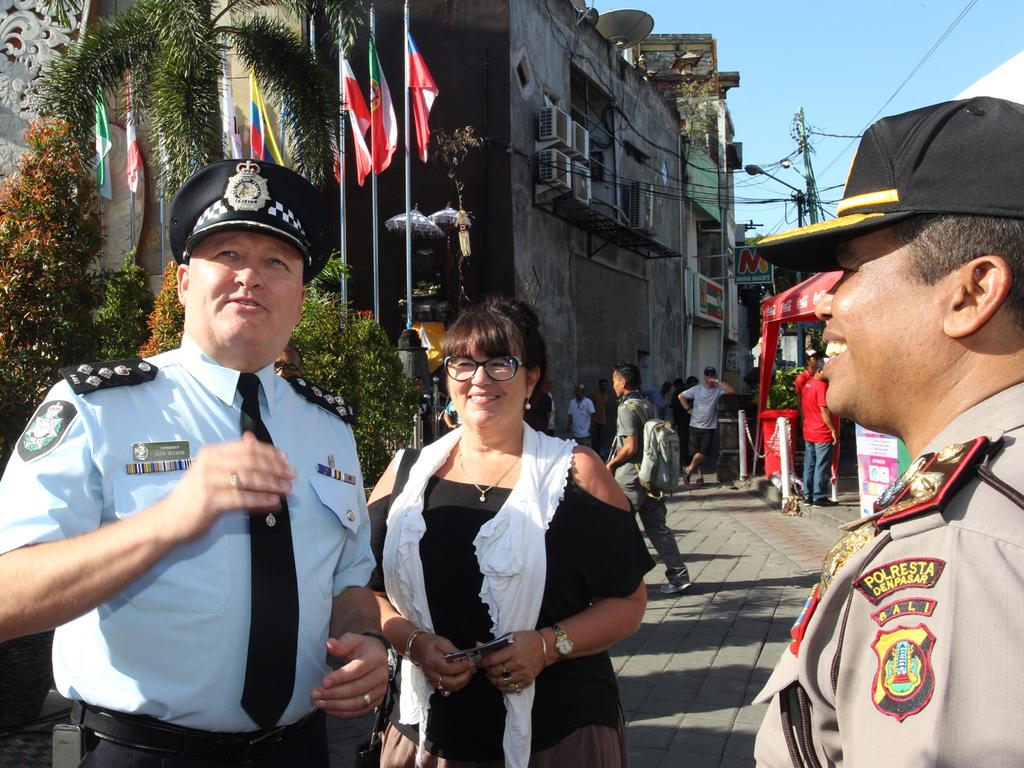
(585, 11)
(625, 27)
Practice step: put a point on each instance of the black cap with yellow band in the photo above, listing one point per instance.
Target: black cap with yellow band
(958, 157)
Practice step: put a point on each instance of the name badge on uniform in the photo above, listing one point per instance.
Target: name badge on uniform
(167, 456)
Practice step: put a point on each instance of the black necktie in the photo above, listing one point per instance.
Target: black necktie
(274, 621)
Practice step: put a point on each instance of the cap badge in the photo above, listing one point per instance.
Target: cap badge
(247, 190)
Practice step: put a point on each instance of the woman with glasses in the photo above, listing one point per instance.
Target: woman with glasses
(501, 532)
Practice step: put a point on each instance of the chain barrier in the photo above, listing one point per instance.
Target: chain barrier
(773, 443)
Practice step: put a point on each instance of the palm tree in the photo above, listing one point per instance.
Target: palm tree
(171, 49)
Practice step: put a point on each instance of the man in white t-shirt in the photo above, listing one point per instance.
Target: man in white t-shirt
(702, 403)
(581, 409)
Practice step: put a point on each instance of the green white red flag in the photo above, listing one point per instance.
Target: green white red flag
(359, 119)
(103, 146)
(383, 126)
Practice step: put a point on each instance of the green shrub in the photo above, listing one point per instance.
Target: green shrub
(121, 326)
(49, 238)
(361, 364)
(167, 320)
(782, 394)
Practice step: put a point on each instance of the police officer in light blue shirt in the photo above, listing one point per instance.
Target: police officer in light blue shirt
(150, 525)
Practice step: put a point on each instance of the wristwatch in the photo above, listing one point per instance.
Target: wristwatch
(562, 642)
(392, 654)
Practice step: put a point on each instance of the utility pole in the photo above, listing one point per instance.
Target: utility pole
(812, 187)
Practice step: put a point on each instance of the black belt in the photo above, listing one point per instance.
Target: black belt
(142, 732)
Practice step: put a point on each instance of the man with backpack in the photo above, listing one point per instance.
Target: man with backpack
(628, 446)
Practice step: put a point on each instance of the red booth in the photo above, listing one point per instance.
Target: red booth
(791, 306)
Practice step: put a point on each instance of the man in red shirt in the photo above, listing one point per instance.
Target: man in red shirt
(813, 364)
(820, 434)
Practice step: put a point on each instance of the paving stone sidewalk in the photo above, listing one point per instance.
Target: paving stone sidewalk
(687, 677)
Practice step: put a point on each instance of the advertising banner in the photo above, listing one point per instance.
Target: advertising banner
(750, 268)
(880, 460)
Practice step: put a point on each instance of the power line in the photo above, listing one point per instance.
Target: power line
(960, 17)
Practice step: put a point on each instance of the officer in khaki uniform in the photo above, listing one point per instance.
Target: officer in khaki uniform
(908, 650)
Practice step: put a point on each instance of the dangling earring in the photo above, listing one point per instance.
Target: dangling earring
(528, 405)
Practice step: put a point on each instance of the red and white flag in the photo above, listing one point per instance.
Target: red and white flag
(359, 119)
(383, 126)
(422, 90)
(134, 161)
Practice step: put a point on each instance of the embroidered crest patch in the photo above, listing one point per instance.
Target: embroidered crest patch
(904, 681)
(914, 606)
(920, 572)
(46, 428)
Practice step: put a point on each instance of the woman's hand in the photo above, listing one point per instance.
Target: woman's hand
(446, 676)
(517, 665)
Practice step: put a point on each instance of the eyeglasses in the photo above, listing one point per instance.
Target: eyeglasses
(286, 369)
(500, 368)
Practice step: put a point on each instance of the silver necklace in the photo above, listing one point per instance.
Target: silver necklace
(488, 489)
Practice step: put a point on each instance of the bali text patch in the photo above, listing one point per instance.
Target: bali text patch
(912, 606)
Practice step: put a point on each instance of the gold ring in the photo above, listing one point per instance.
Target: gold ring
(233, 480)
(506, 672)
(366, 700)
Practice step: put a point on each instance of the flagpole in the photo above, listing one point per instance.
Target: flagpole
(373, 186)
(408, 185)
(225, 100)
(343, 241)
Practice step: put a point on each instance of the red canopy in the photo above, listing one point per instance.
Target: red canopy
(790, 306)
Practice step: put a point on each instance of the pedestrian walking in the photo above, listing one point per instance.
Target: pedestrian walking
(634, 411)
(701, 401)
(581, 411)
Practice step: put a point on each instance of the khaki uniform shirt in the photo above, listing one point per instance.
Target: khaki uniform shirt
(913, 656)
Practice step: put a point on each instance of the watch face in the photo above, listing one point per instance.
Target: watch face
(564, 645)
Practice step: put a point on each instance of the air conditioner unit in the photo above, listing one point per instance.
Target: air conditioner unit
(580, 183)
(554, 169)
(641, 206)
(555, 125)
(580, 142)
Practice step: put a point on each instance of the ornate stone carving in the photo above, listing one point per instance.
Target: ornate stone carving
(29, 39)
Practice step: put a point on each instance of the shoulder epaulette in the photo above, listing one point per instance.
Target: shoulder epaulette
(91, 377)
(333, 404)
(933, 481)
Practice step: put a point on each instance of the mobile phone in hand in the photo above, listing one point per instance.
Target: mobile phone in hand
(475, 654)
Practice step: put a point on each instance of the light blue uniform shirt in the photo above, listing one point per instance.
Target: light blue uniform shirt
(173, 644)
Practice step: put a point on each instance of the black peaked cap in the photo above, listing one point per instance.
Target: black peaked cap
(256, 196)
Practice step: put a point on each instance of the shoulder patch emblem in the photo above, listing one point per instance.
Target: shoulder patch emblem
(90, 377)
(904, 680)
(932, 481)
(920, 572)
(46, 429)
(333, 404)
(913, 606)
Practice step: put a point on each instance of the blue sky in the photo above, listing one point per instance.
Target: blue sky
(840, 62)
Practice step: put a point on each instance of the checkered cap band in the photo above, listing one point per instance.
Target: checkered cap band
(212, 213)
(278, 209)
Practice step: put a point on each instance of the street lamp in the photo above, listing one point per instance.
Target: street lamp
(798, 194)
(798, 197)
